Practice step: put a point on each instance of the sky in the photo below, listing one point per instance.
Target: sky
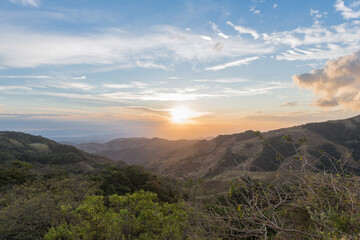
(176, 69)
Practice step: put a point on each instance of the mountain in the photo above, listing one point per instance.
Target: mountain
(140, 151)
(226, 155)
(42, 152)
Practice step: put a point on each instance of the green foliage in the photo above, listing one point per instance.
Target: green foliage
(133, 216)
(129, 179)
(36, 149)
(27, 211)
(38, 200)
(15, 172)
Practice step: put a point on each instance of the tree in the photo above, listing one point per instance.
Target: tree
(133, 216)
(27, 211)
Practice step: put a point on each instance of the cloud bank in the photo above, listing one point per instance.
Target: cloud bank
(156, 48)
(338, 84)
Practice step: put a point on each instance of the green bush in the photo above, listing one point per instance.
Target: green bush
(27, 211)
(133, 216)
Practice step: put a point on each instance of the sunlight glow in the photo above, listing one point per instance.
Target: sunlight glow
(181, 115)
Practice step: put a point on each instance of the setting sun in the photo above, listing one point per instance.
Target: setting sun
(181, 115)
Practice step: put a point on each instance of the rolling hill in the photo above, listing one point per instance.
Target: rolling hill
(42, 152)
(140, 151)
(227, 155)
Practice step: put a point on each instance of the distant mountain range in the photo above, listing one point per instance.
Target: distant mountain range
(222, 157)
(225, 155)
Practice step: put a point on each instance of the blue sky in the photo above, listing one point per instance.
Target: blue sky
(125, 68)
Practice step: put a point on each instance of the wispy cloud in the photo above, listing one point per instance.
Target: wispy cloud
(14, 88)
(316, 42)
(26, 77)
(298, 117)
(244, 30)
(218, 31)
(153, 95)
(138, 85)
(157, 48)
(258, 89)
(290, 104)
(117, 86)
(150, 65)
(31, 3)
(65, 85)
(232, 64)
(224, 80)
(346, 12)
(254, 10)
(316, 17)
(79, 78)
(31, 115)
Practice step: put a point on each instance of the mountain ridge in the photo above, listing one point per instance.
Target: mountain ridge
(42, 152)
(238, 151)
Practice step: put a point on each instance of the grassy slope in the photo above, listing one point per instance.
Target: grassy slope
(41, 151)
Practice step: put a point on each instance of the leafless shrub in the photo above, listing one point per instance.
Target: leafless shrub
(302, 202)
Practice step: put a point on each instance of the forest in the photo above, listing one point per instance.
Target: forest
(39, 200)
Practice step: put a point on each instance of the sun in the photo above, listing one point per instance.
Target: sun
(181, 115)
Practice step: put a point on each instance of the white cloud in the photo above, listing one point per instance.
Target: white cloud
(31, 3)
(76, 85)
(258, 89)
(254, 10)
(79, 78)
(65, 85)
(136, 91)
(275, 5)
(25, 77)
(218, 31)
(316, 17)
(236, 63)
(316, 42)
(336, 84)
(156, 48)
(225, 80)
(244, 30)
(220, 34)
(138, 85)
(347, 12)
(148, 64)
(14, 88)
(154, 95)
(117, 86)
(207, 38)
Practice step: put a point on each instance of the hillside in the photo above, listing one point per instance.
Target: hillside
(141, 151)
(226, 155)
(41, 152)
